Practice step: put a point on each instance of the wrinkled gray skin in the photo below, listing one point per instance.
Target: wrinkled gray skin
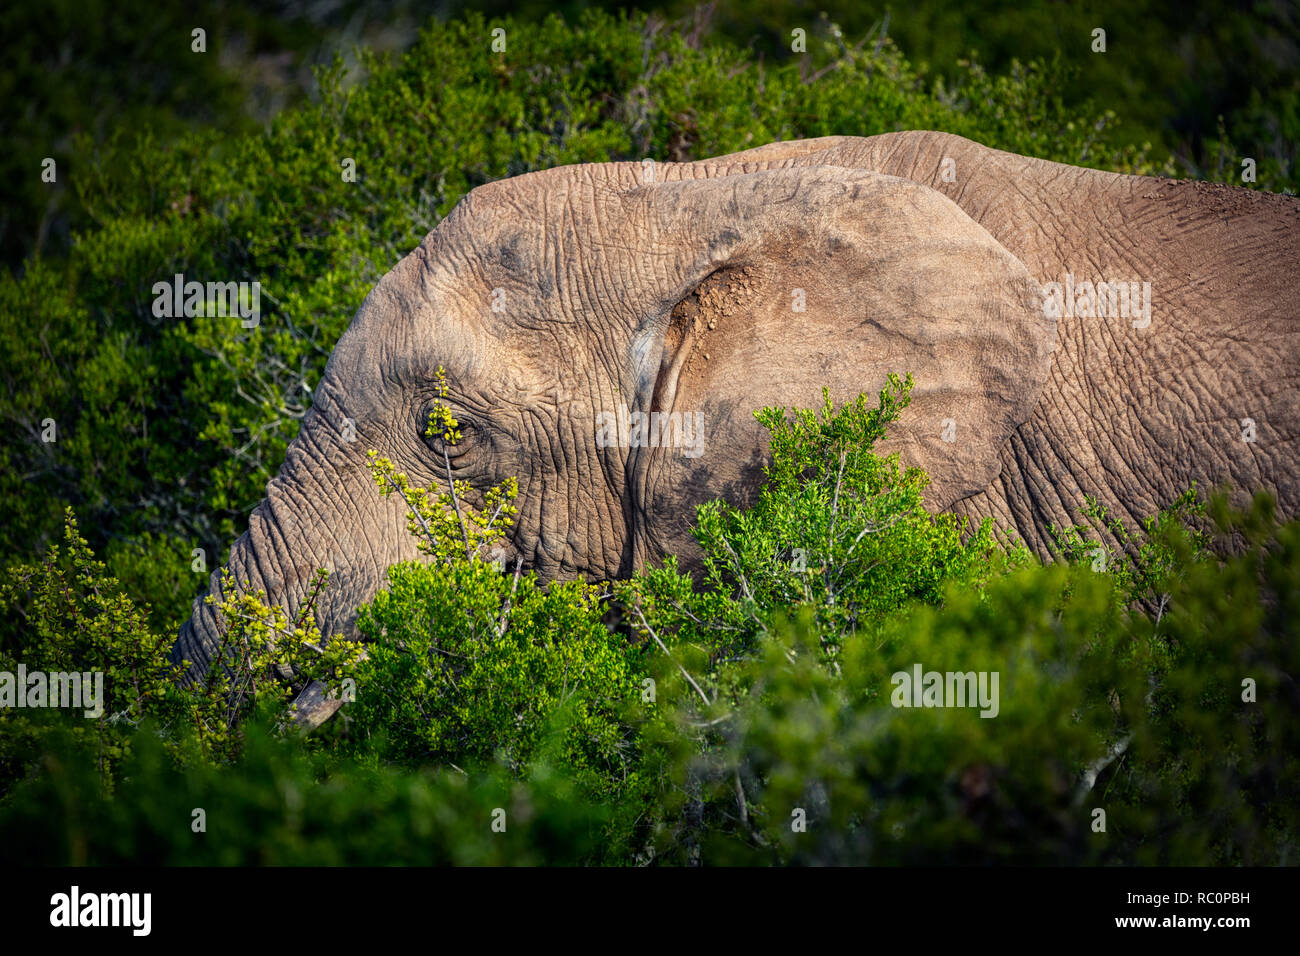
(616, 288)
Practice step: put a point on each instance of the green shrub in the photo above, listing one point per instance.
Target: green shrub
(74, 618)
(802, 760)
(794, 755)
(464, 665)
(1213, 768)
(775, 683)
(836, 529)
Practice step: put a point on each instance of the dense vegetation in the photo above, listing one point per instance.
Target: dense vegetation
(753, 716)
(168, 429)
(1195, 81)
(745, 717)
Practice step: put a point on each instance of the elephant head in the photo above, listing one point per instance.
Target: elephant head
(566, 304)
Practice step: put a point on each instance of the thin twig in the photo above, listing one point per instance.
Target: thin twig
(740, 798)
(505, 608)
(418, 517)
(663, 647)
(455, 502)
(1095, 768)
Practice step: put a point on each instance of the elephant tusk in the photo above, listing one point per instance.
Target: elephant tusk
(314, 705)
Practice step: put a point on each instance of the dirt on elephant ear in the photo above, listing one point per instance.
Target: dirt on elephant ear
(718, 304)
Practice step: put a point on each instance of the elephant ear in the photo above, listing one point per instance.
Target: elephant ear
(784, 281)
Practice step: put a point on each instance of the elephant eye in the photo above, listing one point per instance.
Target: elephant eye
(433, 436)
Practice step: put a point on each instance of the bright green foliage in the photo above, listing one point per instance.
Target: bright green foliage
(262, 662)
(466, 663)
(1146, 567)
(446, 526)
(75, 618)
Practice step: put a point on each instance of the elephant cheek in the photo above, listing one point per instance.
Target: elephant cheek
(679, 461)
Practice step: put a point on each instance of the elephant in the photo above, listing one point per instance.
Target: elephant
(1071, 332)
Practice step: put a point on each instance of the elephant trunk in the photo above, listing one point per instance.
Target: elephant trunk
(198, 640)
(257, 563)
(323, 510)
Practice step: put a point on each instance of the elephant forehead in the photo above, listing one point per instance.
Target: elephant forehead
(551, 233)
(405, 331)
(564, 245)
